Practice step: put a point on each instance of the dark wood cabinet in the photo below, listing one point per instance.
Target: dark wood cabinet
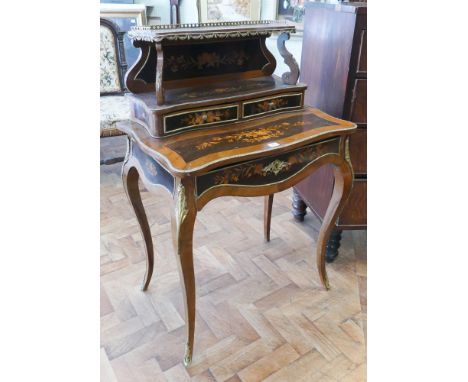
(334, 67)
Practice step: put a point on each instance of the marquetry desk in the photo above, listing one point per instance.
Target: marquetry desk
(258, 158)
(209, 119)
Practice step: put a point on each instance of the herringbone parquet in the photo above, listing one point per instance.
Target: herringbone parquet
(261, 314)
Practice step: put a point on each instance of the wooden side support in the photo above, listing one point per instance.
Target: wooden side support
(289, 78)
(159, 74)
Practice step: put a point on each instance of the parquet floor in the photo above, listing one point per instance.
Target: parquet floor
(261, 313)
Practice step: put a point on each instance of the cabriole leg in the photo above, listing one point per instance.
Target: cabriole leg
(183, 221)
(267, 207)
(341, 190)
(333, 245)
(130, 178)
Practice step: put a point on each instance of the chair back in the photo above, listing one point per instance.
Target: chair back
(112, 58)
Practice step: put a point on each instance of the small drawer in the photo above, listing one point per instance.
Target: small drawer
(271, 104)
(200, 117)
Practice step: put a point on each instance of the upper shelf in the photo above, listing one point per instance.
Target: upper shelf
(199, 31)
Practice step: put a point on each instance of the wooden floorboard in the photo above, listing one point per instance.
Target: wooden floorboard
(261, 313)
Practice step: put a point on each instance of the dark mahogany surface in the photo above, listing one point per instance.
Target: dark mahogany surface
(334, 67)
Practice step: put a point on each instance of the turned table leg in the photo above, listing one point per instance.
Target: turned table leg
(341, 190)
(267, 206)
(130, 178)
(333, 245)
(183, 221)
(298, 207)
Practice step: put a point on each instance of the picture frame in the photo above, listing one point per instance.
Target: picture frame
(293, 12)
(125, 16)
(228, 10)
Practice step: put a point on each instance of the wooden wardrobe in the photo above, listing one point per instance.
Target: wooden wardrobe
(334, 67)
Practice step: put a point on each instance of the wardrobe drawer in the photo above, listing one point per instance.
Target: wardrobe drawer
(200, 117)
(362, 53)
(358, 110)
(271, 104)
(355, 211)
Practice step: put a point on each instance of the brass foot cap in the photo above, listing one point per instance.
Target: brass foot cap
(188, 356)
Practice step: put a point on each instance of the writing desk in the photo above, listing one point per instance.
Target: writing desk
(258, 158)
(210, 119)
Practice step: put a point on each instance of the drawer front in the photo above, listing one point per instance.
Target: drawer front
(268, 170)
(200, 117)
(358, 151)
(358, 111)
(271, 105)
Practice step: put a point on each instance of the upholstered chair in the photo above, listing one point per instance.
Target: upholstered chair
(114, 106)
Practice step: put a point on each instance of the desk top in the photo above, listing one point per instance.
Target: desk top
(198, 151)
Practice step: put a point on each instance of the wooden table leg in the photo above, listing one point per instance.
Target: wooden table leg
(268, 204)
(130, 178)
(343, 184)
(183, 221)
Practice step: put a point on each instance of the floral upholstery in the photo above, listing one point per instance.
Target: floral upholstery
(113, 109)
(110, 81)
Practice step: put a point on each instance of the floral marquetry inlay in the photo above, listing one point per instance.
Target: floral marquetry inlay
(269, 105)
(237, 174)
(205, 60)
(252, 136)
(207, 117)
(268, 170)
(151, 167)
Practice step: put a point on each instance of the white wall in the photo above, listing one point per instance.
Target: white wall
(189, 10)
(160, 9)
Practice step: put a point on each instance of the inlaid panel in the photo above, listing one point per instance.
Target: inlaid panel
(268, 132)
(267, 170)
(271, 105)
(200, 117)
(141, 114)
(202, 59)
(153, 171)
